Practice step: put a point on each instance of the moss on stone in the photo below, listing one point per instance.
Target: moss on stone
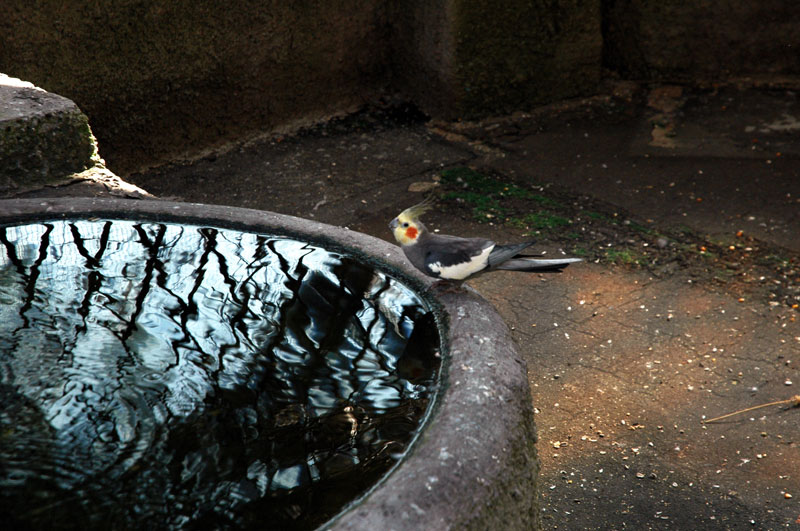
(43, 149)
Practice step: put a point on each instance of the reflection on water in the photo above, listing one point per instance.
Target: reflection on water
(158, 375)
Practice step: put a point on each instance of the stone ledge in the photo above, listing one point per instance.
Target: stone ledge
(44, 138)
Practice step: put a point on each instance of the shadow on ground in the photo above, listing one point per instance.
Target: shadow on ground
(685, 205)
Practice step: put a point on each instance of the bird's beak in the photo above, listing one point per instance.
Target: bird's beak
(393, 224)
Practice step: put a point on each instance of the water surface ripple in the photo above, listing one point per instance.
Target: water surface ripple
(175, 376)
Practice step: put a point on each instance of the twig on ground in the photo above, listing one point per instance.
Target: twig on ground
(794, 401)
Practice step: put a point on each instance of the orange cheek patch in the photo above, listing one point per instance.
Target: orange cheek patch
(411, 233)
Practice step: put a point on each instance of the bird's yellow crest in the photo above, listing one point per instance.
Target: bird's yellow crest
(414, 212)
(406, 226)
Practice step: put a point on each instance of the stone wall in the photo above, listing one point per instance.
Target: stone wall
(467, 58)
(702, 40)
(158, 79)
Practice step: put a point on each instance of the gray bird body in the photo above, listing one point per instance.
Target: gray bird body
(456, 258)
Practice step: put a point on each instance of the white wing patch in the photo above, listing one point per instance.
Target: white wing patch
(464, 269)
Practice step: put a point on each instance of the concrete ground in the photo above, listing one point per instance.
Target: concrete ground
(686, 206)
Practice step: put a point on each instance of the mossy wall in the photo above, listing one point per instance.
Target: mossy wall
(158, 78)
(516, 54)
(470, 58)
(423, 53)
(162, 78)
(702, 40)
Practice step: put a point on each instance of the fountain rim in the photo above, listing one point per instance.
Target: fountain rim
(466, 323)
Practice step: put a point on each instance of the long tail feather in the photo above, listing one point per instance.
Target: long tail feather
(537, 264)
(501, 253)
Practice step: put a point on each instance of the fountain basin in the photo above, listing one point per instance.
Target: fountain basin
(473, 463)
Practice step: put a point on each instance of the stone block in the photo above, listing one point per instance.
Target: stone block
(44, 137)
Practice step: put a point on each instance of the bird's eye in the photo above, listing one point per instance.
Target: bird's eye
(405, 225)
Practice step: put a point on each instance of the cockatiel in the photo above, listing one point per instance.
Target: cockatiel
(455, 258)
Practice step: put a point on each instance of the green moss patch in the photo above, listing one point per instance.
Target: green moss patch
(496, 199)
(601, 233)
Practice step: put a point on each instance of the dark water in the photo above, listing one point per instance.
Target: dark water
(168, 376)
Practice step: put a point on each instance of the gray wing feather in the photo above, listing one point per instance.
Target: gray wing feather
(452, 250)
